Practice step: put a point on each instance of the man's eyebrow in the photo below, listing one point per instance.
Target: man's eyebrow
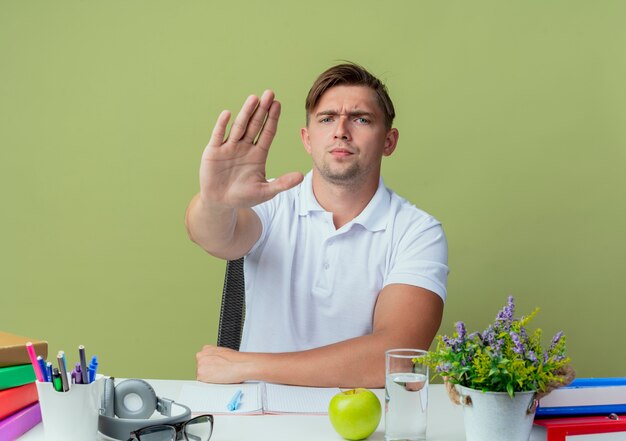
(350, 113)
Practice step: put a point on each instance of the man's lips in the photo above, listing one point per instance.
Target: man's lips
(341, 152)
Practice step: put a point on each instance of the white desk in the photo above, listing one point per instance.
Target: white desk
(445, 422)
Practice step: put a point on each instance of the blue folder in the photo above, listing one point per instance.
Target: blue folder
(560, 411)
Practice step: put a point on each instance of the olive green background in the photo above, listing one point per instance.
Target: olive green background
(512, 133)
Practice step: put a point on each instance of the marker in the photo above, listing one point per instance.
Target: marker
(83, 365)
(93, 368)
(42, 366)
(233, 404)
(33, 361)
(63, 371)
(56, 380)
(77, 375)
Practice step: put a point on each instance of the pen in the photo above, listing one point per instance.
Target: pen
(33, 361)
(42, 366)
(233, 404)
(63, 371)
(83, 365)
(49, 371)
(56, 380)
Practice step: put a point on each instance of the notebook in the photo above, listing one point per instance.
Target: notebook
(257, 398)
(586, 396)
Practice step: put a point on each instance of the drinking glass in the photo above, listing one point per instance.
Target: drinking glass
(406, 394)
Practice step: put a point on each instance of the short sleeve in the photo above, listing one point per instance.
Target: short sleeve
(265, 212)
(420, 258)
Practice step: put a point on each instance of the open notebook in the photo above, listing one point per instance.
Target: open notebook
(257, 398)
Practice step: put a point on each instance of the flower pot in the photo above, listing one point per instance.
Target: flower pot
(495, 416)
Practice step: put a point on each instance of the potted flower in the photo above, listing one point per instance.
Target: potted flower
(498, 374)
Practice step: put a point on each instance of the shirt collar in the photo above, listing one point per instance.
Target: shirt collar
(374, 216)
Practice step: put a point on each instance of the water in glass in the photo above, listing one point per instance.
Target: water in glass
(406, 401)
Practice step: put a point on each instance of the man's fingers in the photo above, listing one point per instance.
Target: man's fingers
(241, 122)
(269, 128)
(285, 182)
(217, 136)
(258, 118)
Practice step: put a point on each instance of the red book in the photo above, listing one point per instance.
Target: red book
(559, 428)
(17, 398)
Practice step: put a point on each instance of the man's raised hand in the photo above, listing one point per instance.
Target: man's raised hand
(232, 171)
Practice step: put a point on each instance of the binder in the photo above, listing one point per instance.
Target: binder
(585, 396)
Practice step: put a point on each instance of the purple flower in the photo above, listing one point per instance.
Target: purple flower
(519, 347)
(460, 329)
(523, 334)
(556, 339)
(443, 368)
(532, 356)
(505, 316)
(498, 345)
(489, 336)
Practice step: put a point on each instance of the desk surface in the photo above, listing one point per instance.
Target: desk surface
(445, 422)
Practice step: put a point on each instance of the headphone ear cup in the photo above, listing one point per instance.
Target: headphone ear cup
(107, 397)
(145, 393)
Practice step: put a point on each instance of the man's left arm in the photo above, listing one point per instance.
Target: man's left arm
(405, 316)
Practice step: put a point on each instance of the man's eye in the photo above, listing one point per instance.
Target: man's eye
(326, 119)
(362, 120)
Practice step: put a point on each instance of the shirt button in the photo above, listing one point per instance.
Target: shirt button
(326, 266)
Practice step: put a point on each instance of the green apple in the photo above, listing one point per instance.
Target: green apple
(355, 413)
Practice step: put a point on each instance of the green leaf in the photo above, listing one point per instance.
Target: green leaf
(510, 390)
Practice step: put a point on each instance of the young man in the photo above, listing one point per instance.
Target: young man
(338, 267)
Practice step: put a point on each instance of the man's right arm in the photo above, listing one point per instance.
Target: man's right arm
(232, 180)
(223, 232)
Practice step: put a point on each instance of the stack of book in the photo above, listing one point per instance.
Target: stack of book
(19, 403)
(586, 406)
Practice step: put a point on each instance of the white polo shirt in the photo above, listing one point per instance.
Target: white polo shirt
(310, 285)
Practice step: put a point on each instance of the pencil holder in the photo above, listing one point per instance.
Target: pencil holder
(71, 415)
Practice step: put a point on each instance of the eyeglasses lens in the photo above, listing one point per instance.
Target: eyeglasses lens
(199, 429)
(157, 433)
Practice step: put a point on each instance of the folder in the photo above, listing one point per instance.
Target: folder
(585, 396)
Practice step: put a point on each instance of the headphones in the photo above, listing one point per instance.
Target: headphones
(129, 405)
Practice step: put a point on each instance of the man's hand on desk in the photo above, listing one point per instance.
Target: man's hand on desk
(222, 365)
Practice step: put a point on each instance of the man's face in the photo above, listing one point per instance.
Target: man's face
(346, 136)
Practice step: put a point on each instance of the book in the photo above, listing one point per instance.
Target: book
(561, 429)
(17, 398)
(585, 396)
(13, 376)
(13, 349)
(257, 398)
(20, 422)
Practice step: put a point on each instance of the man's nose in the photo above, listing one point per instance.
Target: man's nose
(342, 131)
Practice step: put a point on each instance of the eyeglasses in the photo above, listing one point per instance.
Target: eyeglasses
(196, 429)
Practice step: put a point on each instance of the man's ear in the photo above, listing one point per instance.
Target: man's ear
(391, 141)
(304, 135)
